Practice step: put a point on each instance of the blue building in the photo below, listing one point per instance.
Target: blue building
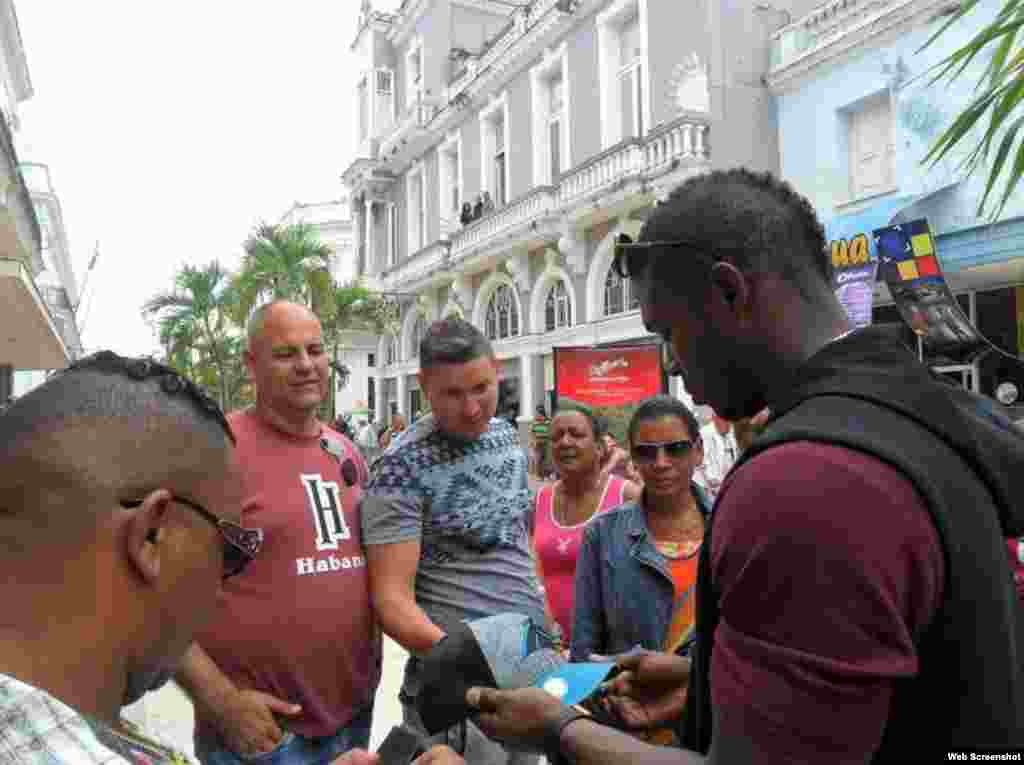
(856, 116)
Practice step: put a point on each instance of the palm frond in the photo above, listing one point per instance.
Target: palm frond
(993, 110)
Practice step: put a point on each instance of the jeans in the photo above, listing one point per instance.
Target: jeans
(294, 749)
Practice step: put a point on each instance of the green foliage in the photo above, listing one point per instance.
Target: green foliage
(998, 96)
(192, 322)
(286, 262)
(200, 322)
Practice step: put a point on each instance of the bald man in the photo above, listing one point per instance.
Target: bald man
(289, 669)
(119, 517)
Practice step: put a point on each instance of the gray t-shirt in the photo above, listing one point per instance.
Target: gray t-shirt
(468, 503)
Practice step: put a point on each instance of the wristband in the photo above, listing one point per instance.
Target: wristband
(553, 734)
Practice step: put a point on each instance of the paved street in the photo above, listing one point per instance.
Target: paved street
(167, 714)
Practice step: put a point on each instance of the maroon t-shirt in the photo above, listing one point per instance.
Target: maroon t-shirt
(297, 622)
(827, 566)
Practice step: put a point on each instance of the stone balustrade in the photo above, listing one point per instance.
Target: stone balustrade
(539, 201)
(681, 141)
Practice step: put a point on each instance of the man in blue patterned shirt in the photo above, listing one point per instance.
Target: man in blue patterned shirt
(445, 517)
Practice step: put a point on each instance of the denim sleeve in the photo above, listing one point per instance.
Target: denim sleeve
(589, 629)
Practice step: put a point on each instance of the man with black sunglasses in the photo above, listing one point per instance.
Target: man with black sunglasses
(119, 519)
(290, 667)
(854, 602)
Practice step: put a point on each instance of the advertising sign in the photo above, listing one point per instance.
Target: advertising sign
(611, 381)
(909, 264)
(854, 259)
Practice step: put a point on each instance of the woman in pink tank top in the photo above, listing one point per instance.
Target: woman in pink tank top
(563, 508)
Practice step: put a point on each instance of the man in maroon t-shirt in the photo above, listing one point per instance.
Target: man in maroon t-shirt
(291, 665)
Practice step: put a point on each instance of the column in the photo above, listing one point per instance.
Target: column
(371, 264)
(390, 244)
(527, 386)
(403, 404)
(381, 402)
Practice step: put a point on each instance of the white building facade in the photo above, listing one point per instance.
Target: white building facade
(30, 335)
(574, 118)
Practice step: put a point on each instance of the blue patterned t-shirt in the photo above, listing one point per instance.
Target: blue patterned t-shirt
(468, 504)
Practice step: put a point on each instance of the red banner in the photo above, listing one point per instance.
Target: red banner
(608, 377)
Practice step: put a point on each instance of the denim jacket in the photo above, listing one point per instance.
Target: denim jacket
(624, 590)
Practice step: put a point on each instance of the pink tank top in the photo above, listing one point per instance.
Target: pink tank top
(557, 547)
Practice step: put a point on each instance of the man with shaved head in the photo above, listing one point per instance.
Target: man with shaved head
(288, 671)
(119, 518)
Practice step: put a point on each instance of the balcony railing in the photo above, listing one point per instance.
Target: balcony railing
(415, 116)
(835, 22)
(677, 141)
(18, 200)
(519, 212)
(680, 142)
(420, 264)
(505, 43)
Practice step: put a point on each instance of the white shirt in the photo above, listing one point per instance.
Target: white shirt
(720, 453)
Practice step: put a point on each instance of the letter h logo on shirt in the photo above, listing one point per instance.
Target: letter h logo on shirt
(328, 517)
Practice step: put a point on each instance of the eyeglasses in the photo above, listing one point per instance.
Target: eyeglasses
(673, 449)
(632, 258)
(240, 543)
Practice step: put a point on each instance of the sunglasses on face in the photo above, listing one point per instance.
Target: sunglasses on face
(673, 450)
(632, 258)
(240, 544)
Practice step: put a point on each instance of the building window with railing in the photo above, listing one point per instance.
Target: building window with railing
(385, 98)
(623, 72)
(557, 308)
(618, 297)
(494, 151)
(631, 70)
(449, 172)
(502, 318)
(550, 117)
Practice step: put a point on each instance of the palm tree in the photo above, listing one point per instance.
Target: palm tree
(283, 262)
(999, 94)
(349, 307)
(192, 324)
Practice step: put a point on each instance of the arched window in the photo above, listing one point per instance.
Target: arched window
(419, 329)
(557, 308)
(391, 351)
(618, 297)
(502, 317)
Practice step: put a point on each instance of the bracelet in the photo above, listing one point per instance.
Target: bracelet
(553, 735)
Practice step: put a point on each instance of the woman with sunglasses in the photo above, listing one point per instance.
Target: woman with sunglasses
(637, 567)
(563, 509)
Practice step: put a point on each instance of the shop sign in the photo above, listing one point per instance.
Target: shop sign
(611, 381)
(909, 264)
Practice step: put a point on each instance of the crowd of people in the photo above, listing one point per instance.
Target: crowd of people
(841, 593)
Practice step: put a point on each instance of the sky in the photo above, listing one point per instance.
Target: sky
(171, 129)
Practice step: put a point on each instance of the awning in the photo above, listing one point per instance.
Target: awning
(29, 338)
